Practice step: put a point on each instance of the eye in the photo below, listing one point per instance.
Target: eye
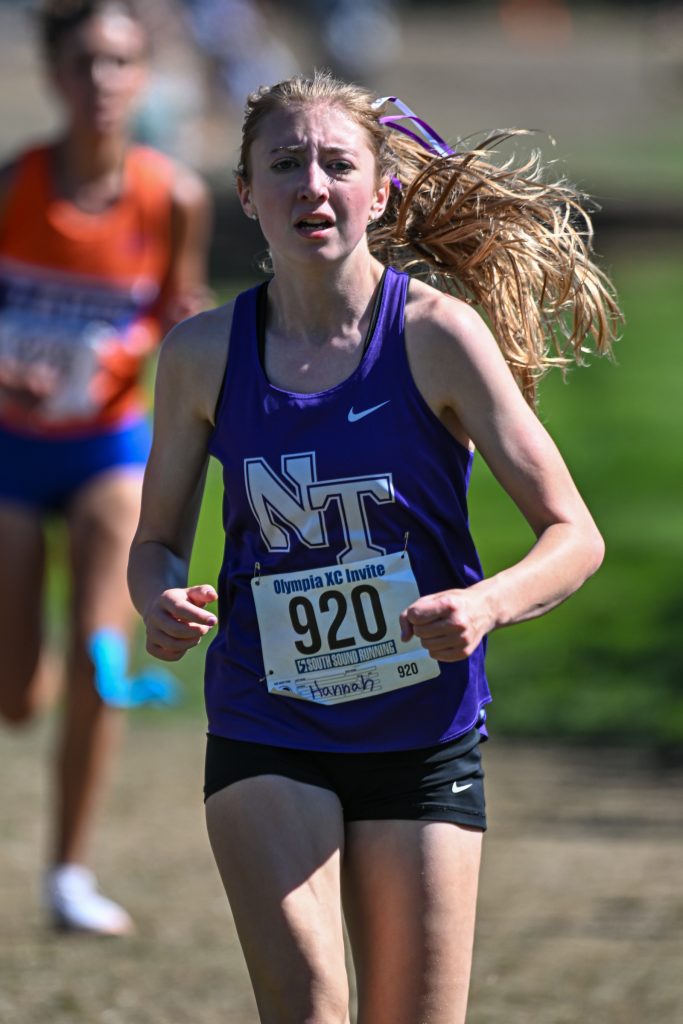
(284, 163)
(339, 167)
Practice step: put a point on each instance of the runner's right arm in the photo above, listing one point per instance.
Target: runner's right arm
(191, 368)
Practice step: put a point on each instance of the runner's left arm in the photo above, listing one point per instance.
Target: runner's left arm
(461, 373)
(186, 290)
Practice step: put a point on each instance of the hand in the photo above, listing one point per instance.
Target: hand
(450, 625)
(177, 620)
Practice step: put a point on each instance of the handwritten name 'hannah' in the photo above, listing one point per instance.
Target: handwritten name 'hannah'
(361, 684)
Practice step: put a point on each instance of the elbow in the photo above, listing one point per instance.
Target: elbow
(594, 550)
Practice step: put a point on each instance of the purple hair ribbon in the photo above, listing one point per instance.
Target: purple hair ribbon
(427, 137)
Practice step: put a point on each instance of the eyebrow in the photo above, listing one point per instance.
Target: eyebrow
(298, 147)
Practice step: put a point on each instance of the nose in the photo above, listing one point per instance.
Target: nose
(103, 72)
(314, 182)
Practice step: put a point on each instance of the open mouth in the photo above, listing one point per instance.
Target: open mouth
(313, 224)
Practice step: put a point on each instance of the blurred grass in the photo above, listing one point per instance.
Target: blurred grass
(607, 663)
(618, 169)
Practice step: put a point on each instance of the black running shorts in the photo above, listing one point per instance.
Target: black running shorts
(441, 783)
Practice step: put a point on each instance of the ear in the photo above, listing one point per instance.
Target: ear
(379, 203)
(244, 195)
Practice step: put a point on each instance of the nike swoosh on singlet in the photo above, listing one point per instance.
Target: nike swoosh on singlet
(459, 789)
(353, 416)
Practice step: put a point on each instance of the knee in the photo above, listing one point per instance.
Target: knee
(331, 1008)
(16, 709)
(25, 691)
(323, 1000)
(329, 1005)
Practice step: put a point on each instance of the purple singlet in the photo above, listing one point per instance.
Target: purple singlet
(314, 481)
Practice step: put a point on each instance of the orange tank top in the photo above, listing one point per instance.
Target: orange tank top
(79, 292)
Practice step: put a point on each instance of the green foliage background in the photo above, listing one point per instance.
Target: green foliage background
(608, 662)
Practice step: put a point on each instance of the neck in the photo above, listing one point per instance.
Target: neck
(325, 301)
(93, 163)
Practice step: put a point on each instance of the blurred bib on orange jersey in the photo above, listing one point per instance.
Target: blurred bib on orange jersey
(78, 330)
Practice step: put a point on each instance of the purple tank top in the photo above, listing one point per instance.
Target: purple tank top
(314, 480)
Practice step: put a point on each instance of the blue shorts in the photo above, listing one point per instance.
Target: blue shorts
(441, 783)
(47, 472)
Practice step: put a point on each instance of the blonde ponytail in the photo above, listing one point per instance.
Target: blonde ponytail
(506, 240)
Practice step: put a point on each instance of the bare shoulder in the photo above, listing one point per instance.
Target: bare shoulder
(451, 351)
(193, 359)
(435, 320)
(189, 191)
(186, 187)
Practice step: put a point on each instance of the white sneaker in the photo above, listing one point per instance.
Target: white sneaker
(72, 898)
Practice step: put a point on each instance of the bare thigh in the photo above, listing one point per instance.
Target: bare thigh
(101, 520)
(278, 846)
(22, 569)
(410, 893)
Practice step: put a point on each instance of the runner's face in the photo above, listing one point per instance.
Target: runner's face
(99, 71)
(312, 183)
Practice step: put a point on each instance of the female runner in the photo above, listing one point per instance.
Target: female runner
(102, 246)
(345, 686)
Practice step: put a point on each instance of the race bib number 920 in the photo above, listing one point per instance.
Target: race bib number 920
(333, 635)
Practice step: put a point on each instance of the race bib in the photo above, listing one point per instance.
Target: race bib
(64, 323)
(333, 634)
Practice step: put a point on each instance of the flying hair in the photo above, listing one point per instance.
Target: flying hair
(474, 223)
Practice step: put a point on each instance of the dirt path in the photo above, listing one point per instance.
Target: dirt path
(581, 907)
